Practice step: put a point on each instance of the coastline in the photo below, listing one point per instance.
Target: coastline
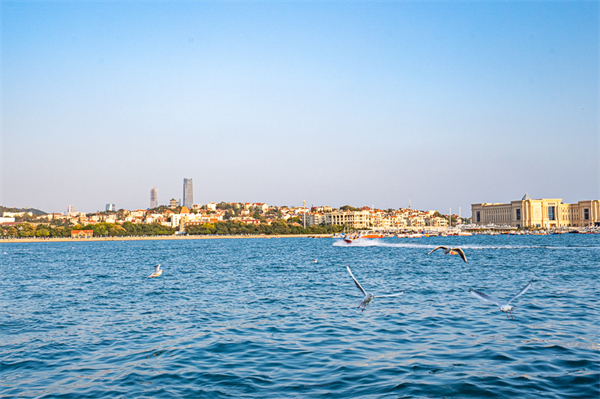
(145, 238)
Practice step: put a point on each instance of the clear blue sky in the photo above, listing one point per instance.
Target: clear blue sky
(364, 103)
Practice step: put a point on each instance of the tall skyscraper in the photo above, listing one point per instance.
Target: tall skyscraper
(110, 207)
(188, 193)
(154, 197)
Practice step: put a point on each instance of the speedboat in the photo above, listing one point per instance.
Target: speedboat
(351, 239)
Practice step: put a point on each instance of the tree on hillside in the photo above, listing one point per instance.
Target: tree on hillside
(224, 205)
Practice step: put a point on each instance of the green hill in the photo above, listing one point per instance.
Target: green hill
(36, 212)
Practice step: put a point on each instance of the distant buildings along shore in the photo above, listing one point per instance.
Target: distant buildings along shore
(526, 213)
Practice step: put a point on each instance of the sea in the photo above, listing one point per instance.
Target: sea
(279, 318)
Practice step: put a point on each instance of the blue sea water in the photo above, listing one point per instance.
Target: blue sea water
(258, 318)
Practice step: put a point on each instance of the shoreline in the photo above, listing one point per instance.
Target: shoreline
(155, 238)
(197, 237)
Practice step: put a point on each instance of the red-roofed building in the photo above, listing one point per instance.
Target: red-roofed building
(82, 233)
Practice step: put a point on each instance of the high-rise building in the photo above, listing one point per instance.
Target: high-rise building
(188, 193)
(154, 197)
(110, 207)
(71, 210)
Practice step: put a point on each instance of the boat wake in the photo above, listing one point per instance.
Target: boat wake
(362, 242)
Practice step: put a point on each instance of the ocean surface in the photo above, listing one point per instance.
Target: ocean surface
(258, 318)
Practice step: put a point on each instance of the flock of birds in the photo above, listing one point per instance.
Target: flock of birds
(368, 296)
(504, 306)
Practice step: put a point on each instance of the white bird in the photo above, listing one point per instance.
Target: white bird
(157, 271)
(504, 306)
(315, 261)
(450, 251)
(368, 296)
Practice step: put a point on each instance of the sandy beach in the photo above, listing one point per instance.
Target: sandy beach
(139, 238)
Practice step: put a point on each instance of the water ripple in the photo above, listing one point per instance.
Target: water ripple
(256, 318)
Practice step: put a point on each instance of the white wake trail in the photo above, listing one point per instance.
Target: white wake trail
(364, 242)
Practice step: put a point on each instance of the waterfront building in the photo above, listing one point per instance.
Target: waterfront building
(188, 193)
(358, 220)
(185, 218)
(541, 213)
(436, 221)
(154, 198)
(416, 220)
(398, 220)
(110, 207)
(82, 233)
(313, 218)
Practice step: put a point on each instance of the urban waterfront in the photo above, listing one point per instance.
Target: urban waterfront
(261, 318)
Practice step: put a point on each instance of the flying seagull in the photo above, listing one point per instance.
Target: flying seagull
(157, 271)
(368, 296)
(451, 251)
(505, 307)
(315, 261)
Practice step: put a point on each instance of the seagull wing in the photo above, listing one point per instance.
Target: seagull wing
(461, 253)
(484, 297)
(356, 282)
(524, 290)
(436, 248)
(156, 268)
(390, 295)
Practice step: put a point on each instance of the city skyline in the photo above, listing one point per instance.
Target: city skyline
(441, 104)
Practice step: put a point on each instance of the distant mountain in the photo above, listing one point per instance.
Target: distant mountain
(32, 210)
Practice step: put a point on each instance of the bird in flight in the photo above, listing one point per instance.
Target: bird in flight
(315, 261)
(451, 251)
(504, 306)
(368, 296)
(157, 271)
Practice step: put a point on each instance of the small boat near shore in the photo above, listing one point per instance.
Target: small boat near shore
(372, 235)
(350, 238)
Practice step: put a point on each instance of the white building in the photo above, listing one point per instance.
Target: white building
(313, 218)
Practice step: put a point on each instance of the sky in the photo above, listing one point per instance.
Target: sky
(437, 104)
